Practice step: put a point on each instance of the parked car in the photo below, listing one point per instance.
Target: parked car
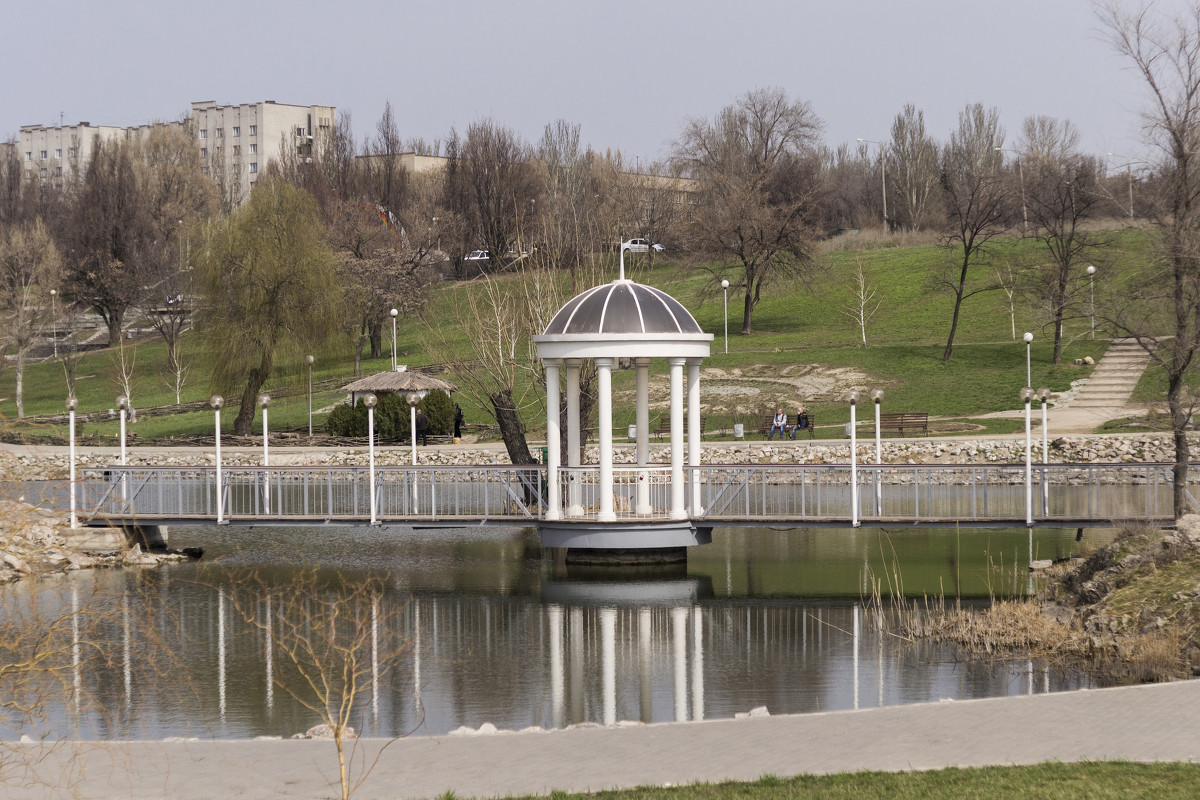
(642, 246)
(478, 255)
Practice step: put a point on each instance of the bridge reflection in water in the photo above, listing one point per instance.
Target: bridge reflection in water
(1059, 495)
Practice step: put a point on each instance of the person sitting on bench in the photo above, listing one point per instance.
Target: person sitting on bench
(801, 422)
(778, 423)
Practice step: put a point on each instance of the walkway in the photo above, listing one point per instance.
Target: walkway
(1140, 723)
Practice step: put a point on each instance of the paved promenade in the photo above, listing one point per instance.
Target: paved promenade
(1142, 723)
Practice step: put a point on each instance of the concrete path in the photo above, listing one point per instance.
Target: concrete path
(1141, 723)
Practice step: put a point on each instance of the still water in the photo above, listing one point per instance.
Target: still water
(481, 625)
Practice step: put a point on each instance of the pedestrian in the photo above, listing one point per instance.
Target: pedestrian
(458, 421)
(422, 427)
(778, 423)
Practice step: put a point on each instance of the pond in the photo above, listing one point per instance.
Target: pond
(481, 624)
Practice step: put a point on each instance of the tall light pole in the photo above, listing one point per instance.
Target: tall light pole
(370, 400)
(217, 402)
(309, 359)
(1027, 399)
(122, 406)
(1091, 273)
(1043, 394)
(1129, 175)
(54, 319)
(1028, 367)
(877, 396)
(1021, 176)
(395, 363)
(883, 176)
(413, 398)
(725, 290)
(72, 404)
(264, 400)
(852, 396)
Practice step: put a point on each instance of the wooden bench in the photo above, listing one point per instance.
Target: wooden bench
(664, 427)
(789, 424)
(913, 420)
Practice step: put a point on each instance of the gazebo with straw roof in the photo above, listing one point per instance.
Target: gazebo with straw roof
(399, 382)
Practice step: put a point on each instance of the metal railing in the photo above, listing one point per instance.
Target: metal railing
(726, 493)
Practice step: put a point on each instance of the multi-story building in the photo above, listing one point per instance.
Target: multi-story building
(236, 141)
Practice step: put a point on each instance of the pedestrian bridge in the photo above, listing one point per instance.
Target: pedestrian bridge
(1003, 495)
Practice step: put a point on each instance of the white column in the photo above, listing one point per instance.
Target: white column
(643, 434)
(693, 434)
(574, 506)
(553, 494)
(678, 511)
(604, 424)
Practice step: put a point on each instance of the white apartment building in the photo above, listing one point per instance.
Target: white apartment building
(236, 141)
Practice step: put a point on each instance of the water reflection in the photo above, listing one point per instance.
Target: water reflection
(497, 632)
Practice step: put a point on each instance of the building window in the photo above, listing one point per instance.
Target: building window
(204, 168)
(44, 155)
(28, 156)
(237, 149)
(220, 133)
(58, 171)
(254, 130)
(237, 131)
(204, 133)
(204, 152)
(73, 152)
(299, 130)
(253, 166)
(58, 152)
(217, 152)
(253, 149)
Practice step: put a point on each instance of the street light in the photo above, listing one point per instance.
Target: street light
(1021, 175)
(1027, 399)
(264, 400)
(395, 363)
(413, 398)
(217, 402)
(309, 359)
(1028, 368)
(370, 400)
(883, 175)
(1129, 174)
(54, 319)
(725, 290)
(72, 404)
(877, 396)
(1091, 273)
(852, 397)
(1043, 394)
(122, 405)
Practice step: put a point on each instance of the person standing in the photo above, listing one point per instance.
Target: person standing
(422, 427)
(778, 423)
(458, 421)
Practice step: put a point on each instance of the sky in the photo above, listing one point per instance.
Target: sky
(629, 73)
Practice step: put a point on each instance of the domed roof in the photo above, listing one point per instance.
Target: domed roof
(623, 307)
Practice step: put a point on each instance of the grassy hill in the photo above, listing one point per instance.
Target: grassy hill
(804, 348)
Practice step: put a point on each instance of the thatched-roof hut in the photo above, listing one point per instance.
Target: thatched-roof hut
(401, 382)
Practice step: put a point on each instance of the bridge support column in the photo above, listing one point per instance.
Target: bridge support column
(643, 435)
(693, 436)
(604, 429)
(678, 509)
(574, 506)
(553, 493)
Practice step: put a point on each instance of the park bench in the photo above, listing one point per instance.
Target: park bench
(765, 428)
(664, 427)
(912, 420)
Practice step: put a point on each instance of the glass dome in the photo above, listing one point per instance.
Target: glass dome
(623, 307)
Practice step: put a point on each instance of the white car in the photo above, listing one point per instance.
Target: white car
(642, 246)
(478, 255)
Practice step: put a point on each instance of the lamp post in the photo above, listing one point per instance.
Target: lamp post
(413, 398)
(54, 319)
(1091, 273)
(395, 363)
(264, 400)
(309, 359)
(370, 400)
(72, 403)
(217, 402)
(877, 396)
(1028, 367)
(725, 290)
(1027, 399)
(1129, 175)
(852, 396)
(122, 405)
(1043, 394)
(883, 176)
(1021, 176)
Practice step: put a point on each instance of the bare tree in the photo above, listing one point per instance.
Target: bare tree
(757, 168)
(865, 304)
(1061, 193)
(975, 198)
(1164, 51)
(29, 267)
(912, 159)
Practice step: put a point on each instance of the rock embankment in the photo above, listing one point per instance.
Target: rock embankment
(1147, 448)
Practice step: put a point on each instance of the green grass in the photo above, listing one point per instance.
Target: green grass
(1049, 781)
(794, 324)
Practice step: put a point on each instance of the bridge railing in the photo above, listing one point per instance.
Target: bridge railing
(641, 493)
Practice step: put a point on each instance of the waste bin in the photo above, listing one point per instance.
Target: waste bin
(633, 431)
(738, 430)
(848, 430)
(545, 455)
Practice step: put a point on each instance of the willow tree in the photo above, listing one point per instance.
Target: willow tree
(270, 290)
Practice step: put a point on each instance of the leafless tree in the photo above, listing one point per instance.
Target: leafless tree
(912, 164)
(975, 199)
(757, 168)
(865, 303)
(30, 267)
(1061, 194)
(1164, 51)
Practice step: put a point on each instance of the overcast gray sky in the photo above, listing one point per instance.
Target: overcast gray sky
(629, 73)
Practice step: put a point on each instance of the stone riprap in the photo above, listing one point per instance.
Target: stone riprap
(1146, 448)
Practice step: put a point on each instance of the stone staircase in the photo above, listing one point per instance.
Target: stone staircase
(1115, 376)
